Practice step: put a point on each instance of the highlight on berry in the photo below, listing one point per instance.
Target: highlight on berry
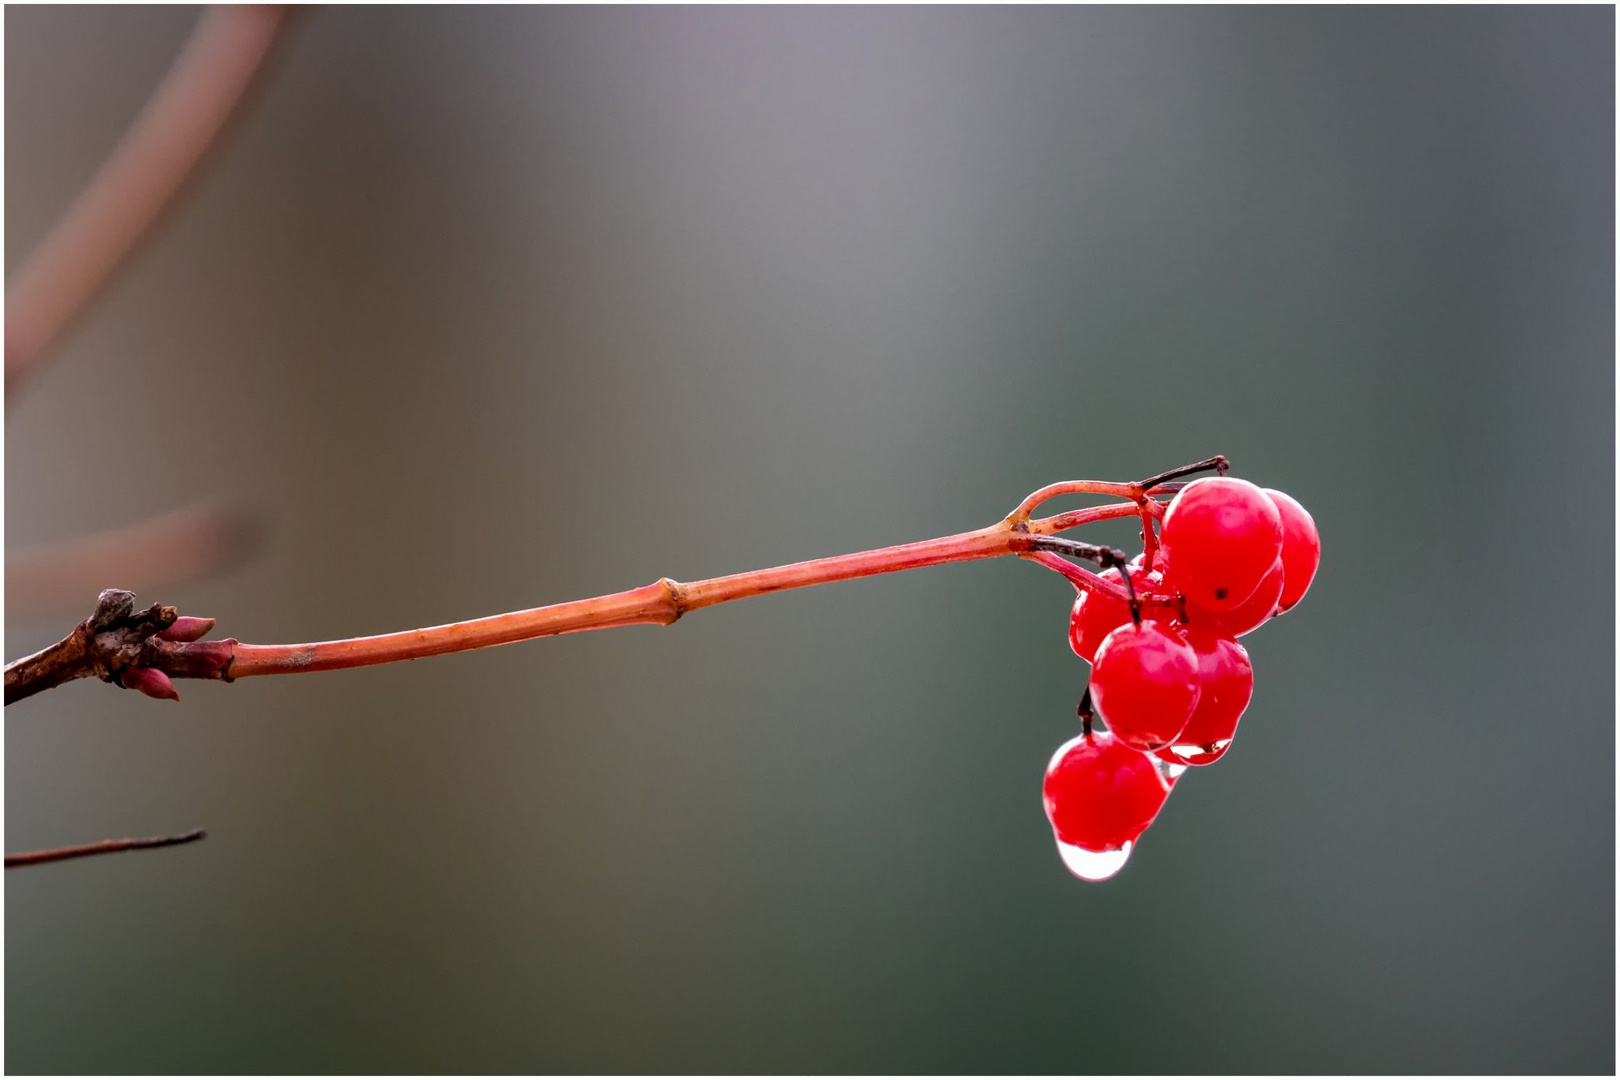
(1169, 681)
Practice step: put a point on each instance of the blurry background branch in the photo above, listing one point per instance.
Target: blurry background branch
(201, 92)
(181, 546)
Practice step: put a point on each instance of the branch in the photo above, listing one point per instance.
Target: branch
(198, 96)
(126, 647)
(179, 546)
(105, 847)
(146, 650)
(1138, 491)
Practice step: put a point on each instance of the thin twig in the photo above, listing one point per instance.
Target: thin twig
(143, 647)
(661, 603)
(1105, 557)
(1073, 487)
(132, 652)
(1217, 463)
(105, 847)
(1078, 576)
(204, 87)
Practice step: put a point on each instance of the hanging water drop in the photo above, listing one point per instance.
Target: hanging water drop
(1192, 754)
(1170, 770)
(1094, 865)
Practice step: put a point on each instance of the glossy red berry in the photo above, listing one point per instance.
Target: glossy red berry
(1220, 537)
(1100, 794)
(1226, 684)
(1247, 616)
(1145, 683)
(1301, 551)
(1094, 616)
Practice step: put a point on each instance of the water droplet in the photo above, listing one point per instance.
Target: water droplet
(1170, 770)
(1201, 755)
(1094, 865)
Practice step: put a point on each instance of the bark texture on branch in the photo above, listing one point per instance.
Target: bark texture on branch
(115, 641)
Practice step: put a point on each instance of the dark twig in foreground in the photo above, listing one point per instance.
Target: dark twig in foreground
(105, 847)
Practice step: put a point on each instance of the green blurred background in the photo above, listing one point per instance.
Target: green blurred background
(489, 308)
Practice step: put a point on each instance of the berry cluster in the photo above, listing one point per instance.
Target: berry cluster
(1168, 676)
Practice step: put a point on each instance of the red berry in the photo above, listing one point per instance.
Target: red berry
(1095, 615)
(1301, 551)
(1100, 794)
(1145, 683)
(1247, 616)
(1220, 537)
(1227, 684)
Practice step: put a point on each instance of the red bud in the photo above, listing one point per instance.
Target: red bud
(187, 628)
(151, 682)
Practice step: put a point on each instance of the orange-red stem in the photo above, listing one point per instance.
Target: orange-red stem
(664, 601)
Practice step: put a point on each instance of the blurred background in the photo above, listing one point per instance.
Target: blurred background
(488, 308)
